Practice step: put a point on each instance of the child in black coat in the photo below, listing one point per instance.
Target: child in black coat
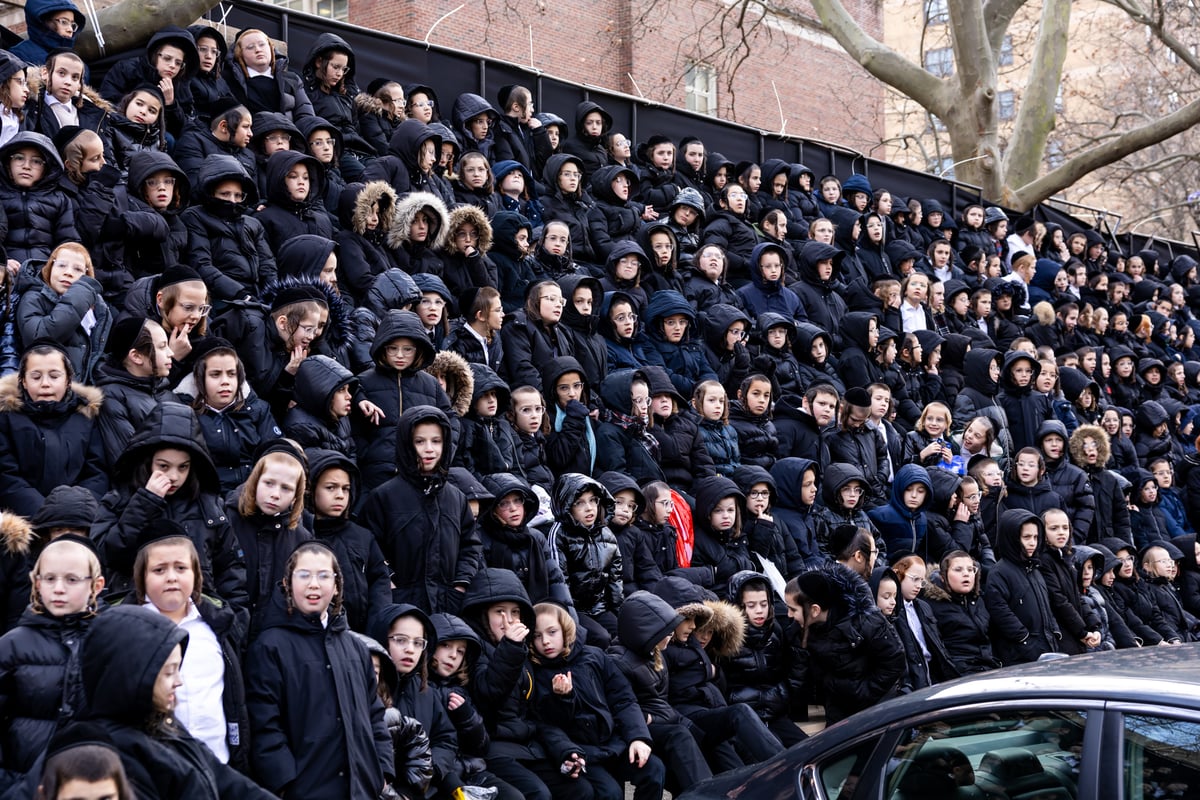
(324, 399)
(489, 444)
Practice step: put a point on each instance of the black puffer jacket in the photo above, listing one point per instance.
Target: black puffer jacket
(266, 542)
(587, 345)
(1022, 620)
(757, 673)
(734, 235)
(293, 100)
(724, 552)
(284, 218)
(395, 392)
(682, 454)
(139, 70)
(44, 445)
(423, 523)
(569, 209)
(322, 675)
(363, 254)
(589, 558)
(1026, 409)
(39, 682)
(234, 434)
(963, 622)
(644, 621)
(38, 218)
(121, 660)
(310, 421)
(130, 509)
(149, 247)
(399, 166)
(228, 247)
(571, 443)
(529, 345)
(1071, 483)
(128, 400)
(589, 150)
(623, 442)
(489, 444)
(1075, 618)
(338, 106)
(524, 551)
(611, 219)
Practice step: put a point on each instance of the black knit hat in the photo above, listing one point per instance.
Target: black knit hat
(66, 507)
(159, 530)
(298, 294)
(122, 336)
(858, 397)
(79, 734)
(176, 273)
(65, 136)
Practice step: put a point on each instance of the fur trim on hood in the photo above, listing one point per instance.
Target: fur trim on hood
(406, 211)
(728, 627)
(1075, 445)
(367, 103)
(16, 534)
(11, 399)
(455, 370)
(475, 216)
(34, 78)
(380, 192)
(1044, 312)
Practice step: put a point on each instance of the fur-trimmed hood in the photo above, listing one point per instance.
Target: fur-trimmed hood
(16, 534)
(475, 216)
(407, 209)
(1075, 445)
(13, 400)
(354, 206)
(455, 370)
(367, 103)
(728, 627)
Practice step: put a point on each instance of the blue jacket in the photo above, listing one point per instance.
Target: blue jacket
(41, 39)
(901, 527)
(760, 295)
(684, 361)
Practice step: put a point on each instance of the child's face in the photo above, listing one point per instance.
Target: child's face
(568, 387)
(624, 320)
(1163, 474)
(209, 52)
(244, 132)
(553, 135)
(66, 79)
(974, 217)
(1086, 573)
(175, 464)
(675, 327)
(960, 575)
(513, 183)
(26, 166)
(426, 156)
(808, 487)
(500, 616)
(771, 266)
(486, 404)
(64, 580)
(169, 578)
(1058, 529)
(427, 440)
(420, 106)
(320, 145)
(735, 201)
(593, 124)
(662, 405)
(313, 583)
(720, 178)
(724, 514)
(68, 268)
(328, 274)
(831, 192)
(406, 642)
(888, 354)
(779, 184)
(625, 507)
(913, 581)
(528, 411)
(341, 403)
(1053, 446)
(276, 490)
(694, 155)
(914, 496)
(582, 300)
(735, 334)
(819, 349)
(885, 597)
(851, 494)
(220, 380)
(684, 215)
(586, 509)
(1047, 378)
(331, 495)
(1021, 373)
(474, 173)
(935, 423)
(1028, 469)
(1124, 367)
(663, 155)
(758, 499)
(712, 407)
(449, 656)
(556, 239)
(479, 127)
(757, 399)
(777, 338)
(660, 246)
(993, 476)
(276, 141)
(297, 183)
(169, 679)
(229, 191)
(711, 263)
(757, 605)
(881, 402)
(419, 228)
(431, 307)
(548, 638)
(143, 108)
(684, 630)
(510, 511)
(620, 187)
(18, 90)
(1149, 492)
(400, 353)
(45, 377)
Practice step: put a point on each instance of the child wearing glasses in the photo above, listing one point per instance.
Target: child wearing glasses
(623, 439)
(38, 214)
(333, 741)
(62, 302)
(588, 553)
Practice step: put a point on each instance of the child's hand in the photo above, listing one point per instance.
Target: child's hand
(179, 343)
(159, 484)
(1092, 639)
(371, 411)
(930, 449)
(563, 684)
(962, 513)
(639, 753)
(649, 214)
(167, 87)
(298, 356)
(13, 266)
(517, 632)
(454, 701)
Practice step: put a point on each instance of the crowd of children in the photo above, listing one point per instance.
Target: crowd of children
(350, 449)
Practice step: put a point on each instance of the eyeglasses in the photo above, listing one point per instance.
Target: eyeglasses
(853, 490)
(556, 299)
(536, 410)
(626, 504)
(569, 173)
(1162, 561)
(277, 138)
(626, 318)
(965, 570)
(586, 502)
(435, 302)
(737, 334)
(65, 22)
(21, 158)
(976, 496)
(406, 350)
(405, 642)
(306, 575)
(640, 402)
(1126, 559)
(205, 50)
(511, 503)
(320, 142)
(173, 61)
(422, 104)
(192, 308)
(759, 494)
(668, 504)
(154, 183)
(69, 580)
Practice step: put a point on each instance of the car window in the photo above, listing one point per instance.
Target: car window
(993, 754)
(1162, 757)
(837, 775)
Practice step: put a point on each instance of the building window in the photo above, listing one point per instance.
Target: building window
(330, 9)
(940, 61)
(1006, 52)
(700, 81)
(942, 167)
(936, 12)
(1006, 104)
(1055, 157)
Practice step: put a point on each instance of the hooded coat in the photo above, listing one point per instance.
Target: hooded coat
(151, 246)
(903, 528)
(38, 218)
(300, 739)
(570, 209)
(1022, 621)
(129, 73)
(822, 300)
(590, 150)
(587, 345)
(293, 99)
(796, 519)
(611, 219)
(623, 440)
(129, 510)
(47, 444)
(1075, 619)
(757, 672)
(399, 166)
(589, 558)
(737, 238)
(963, 622)
(363, 254)
(338, 106)
(530, 344)
(1025, 408)
(423, 523)
(41, 38)
(524, 550)
(489, 444)
(644, 621)
(682, 454)
(761, 295)
(120, 664)
(856, 361)
(310, 421)
(863, 446)
(1071, 483)
(283, 218)
(684, 361)
(724, 552)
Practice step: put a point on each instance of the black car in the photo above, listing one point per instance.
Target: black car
(1105, 726)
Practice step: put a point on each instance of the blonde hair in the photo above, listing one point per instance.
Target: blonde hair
(935, 406)
(68, 247)
(35, 599)
(700, 393)
(569, 630)
(248, 502)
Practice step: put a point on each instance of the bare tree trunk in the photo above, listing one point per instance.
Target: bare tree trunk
(131, 23)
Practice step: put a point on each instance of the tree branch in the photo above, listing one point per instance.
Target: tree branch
(1035, 117)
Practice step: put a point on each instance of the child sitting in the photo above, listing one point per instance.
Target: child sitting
(750, 416)
(515, 191)
(777, 335)
(720, 438)
(488, 444)
(138, 125)
(588, 553)
(511, 542)
(527, 413)
(706, 285)
(295, 185)
(227, 132)
(38, 215)
(638, 567)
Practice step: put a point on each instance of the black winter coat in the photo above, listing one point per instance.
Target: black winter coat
(528, 347)
(757, 440)
(128, 401)
(293, 99)
(611, 219)
(310, 421)
(523, 551)
(963, 622)
(152, 245)
(640, 627)
(283, 218)
(36, 219)
(727, 552)
(331, 742)
(682, 453)
(366, 577)
(737, 238)
(44, 445)
(589, 558)
(197, 143)
(234, 434)
(1018, 601)
(40, 684)
(265, 542)
(757, 673)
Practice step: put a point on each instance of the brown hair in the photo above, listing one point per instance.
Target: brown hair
(91, 763)
(141, 563)
(200, 403)
(241, 40)
(319, 548)
(293, 314)
(68, 247)
(248, 502)
(533, 300)
(73, 154)
(701, 392)
(170, 299)
(569, 629)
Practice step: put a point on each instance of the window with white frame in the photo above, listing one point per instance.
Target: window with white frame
(700, 86)
(940, 61)
(330, 9)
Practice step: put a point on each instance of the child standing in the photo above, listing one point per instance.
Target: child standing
(750, 416)
(902, 521)
(324, 399)
(588, 553)
(529, 421)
